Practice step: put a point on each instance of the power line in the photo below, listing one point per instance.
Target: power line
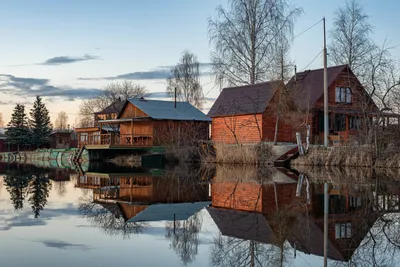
(312, 61)
(309, 28)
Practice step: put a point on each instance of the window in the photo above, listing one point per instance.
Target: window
(343, 230)
(339, 123)
(343, 95)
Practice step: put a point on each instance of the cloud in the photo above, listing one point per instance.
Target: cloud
(159, 73)
(163, 95)
(30, 87)
(63, 245)
(68, 60)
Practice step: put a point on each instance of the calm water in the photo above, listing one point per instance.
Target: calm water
(185, 216)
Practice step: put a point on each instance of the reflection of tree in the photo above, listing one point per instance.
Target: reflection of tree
(61, 188)
(229, 251)
(39, 189)
(185, 237)
(107, 217)
(17, 186)
(25, 181)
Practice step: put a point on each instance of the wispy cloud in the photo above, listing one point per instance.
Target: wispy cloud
(159, 73)
(61, 60)
(29, 87)
(63, 245)
(163, 95)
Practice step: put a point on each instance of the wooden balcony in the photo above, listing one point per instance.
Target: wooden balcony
(115, 140)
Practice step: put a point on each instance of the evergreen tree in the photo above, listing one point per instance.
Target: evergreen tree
(17, 186)
(39, 189)
(18, 133)
(39, 123)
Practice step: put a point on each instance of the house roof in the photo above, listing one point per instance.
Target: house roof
(243, 225)
(165, 110)
(115, 107)
(166, 212)
(308, 86)
(247, 99)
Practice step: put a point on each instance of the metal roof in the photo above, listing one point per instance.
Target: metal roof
(166, 212)
(246, 99)
(165, 110)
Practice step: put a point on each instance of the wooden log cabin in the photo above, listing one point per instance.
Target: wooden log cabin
(248, 114)
(144, 123)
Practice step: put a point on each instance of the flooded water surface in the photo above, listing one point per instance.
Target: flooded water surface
(191, 216)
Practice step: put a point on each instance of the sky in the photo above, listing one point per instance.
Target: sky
(68, 50)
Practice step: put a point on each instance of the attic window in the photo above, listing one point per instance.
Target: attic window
(343, 95)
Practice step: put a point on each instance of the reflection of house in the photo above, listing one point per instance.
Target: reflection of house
(292, 212)
(147, 196)
(248, 113)
(58, 174)
(149, 123)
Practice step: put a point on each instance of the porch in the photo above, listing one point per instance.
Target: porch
(348, 125)
(114, 139)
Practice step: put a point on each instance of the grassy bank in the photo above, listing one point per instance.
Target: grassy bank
(242, 154)
(350, 156)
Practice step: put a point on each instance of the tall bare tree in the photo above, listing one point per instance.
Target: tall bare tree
(185, 78)
(350, 37)
(114, 93)
(245, 38)
(61, 122)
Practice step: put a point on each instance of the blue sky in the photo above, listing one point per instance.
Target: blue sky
(131, 39)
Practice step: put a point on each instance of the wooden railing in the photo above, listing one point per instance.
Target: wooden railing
(116, 139)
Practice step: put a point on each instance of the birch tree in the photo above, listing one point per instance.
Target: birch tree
(245, 37)
(350, 37)
(185, 78)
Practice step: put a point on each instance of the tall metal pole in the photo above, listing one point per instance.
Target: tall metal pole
(326, 119)
(326, 212)
(175, 98)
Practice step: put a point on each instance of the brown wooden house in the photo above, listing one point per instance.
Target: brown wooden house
(109, 113)
(143, 122)
(247, 114)
(60, 139)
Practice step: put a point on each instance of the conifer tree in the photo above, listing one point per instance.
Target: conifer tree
(39, 122)
(18, 133)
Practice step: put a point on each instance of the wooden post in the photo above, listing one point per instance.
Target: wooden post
(132, 131)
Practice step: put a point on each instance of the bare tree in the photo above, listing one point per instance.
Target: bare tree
(114, 93)
(185, 78)
(245, 38)
(61, 122)
(350, 37)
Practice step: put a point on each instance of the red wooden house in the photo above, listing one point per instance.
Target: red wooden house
(247, 114)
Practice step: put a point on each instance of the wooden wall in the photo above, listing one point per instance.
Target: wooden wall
(131, 111)
(359, 96)
(240, 128)
(180, 132)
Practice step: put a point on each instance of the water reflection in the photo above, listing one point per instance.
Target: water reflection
(266, 220)
(126, 203)
(30, 183)
(245, 216)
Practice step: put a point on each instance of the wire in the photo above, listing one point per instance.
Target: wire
(309, 28)
(312, 61)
